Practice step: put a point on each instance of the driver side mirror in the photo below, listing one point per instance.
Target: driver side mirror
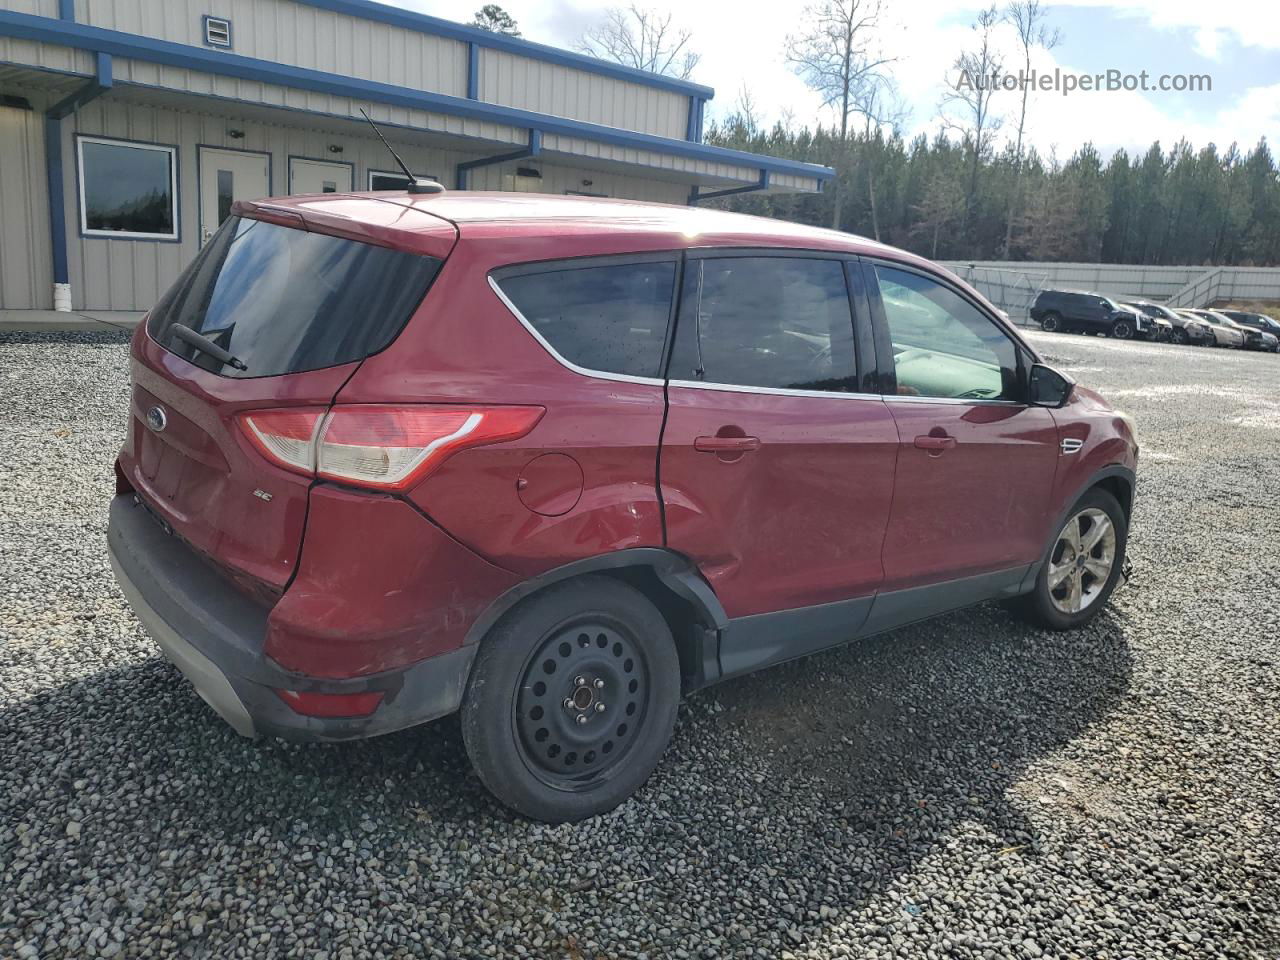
(1048, 388)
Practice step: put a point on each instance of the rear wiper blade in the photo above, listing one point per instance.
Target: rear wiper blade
(205, 345)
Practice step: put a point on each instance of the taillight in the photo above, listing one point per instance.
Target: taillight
(381, 446)
(286, 437)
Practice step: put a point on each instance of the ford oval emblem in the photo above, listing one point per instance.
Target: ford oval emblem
(156, 419)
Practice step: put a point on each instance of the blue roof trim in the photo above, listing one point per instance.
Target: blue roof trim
(47, 30)
(422, 23)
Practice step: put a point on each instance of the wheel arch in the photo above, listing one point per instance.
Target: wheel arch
(666, 578)
(1116, 479)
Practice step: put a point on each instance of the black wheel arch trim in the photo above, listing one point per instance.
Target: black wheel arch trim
(675, 571)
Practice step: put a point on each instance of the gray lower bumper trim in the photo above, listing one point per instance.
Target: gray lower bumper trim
(210, 682)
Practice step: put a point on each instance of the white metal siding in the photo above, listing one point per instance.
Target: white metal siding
(46, 56)
(649, 158)
(252, 91)
(528, 84)
(298, 35)
(26, 271)
(36, 8)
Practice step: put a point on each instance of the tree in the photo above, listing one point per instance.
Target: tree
(641, 38)
(493, 18)
(1028, 18)
(966, 107)
(838, 57)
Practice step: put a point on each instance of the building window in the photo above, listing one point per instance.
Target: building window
(128, 189)
(217, 32)
(386, 180)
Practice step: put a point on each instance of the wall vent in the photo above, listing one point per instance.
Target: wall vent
(217, 32)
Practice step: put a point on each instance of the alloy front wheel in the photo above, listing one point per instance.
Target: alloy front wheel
(1081, 565)
(1082, 560)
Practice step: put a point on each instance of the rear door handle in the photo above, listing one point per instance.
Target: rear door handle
(935, 443)
(726, 444)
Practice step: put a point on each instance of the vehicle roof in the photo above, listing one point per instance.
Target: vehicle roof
(517, 214)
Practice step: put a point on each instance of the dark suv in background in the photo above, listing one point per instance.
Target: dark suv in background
(1073, 310)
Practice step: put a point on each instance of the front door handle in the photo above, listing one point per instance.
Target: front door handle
(726, 444)
(935, 444)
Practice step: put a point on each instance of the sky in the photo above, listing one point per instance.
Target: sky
(1235, 42)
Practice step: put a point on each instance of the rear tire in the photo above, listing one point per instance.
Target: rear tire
(572, 700)
(1179, 336)
(1051, 322)
(1059, 602)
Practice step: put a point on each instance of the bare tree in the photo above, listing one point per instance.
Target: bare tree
(966, 106)
(493, 18)
(839, 58)
(878, 103)
(1028, 18)
(641, 38)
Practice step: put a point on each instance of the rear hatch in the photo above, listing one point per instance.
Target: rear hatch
(299, 293)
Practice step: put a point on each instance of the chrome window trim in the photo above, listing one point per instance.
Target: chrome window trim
(566, 363)
(959, 401)
(775, 391)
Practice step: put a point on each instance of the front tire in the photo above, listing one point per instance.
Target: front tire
(1122, 330)
(572, 700)
(1082, 566)
(1179, 336)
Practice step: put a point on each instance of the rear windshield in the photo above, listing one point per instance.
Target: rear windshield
(282, 300)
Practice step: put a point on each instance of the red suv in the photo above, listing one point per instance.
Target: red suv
(554, 462)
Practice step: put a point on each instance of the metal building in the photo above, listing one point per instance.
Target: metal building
(127, 128)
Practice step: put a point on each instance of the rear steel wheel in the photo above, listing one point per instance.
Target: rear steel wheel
(584, 693)
(572, 699)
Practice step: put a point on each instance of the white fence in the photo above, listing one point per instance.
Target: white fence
(1013, 285)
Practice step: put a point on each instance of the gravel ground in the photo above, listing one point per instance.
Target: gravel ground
(968, 788)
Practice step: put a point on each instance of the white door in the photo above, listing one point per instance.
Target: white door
(318, 176)
(227, 176)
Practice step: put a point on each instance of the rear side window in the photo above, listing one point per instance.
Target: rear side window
(779, 322)
(282, 300)
(610, 318)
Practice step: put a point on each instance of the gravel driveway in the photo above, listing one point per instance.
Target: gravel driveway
(967, 788)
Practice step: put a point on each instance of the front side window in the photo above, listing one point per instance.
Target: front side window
(943, 346)
(610, 318)
(128, 190)
(777, 322)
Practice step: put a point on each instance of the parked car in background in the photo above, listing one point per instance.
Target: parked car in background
(1226, 333)
(1187, 328)
(1158, 328)
(1073, 310)
(414, 470)
(1267, 326)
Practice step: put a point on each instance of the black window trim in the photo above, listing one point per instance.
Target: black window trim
(865, 367)
(496, 277)
(884, 346)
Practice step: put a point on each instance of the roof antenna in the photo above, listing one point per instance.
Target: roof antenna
(416, 184)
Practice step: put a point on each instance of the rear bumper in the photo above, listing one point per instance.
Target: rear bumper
(214, 634)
